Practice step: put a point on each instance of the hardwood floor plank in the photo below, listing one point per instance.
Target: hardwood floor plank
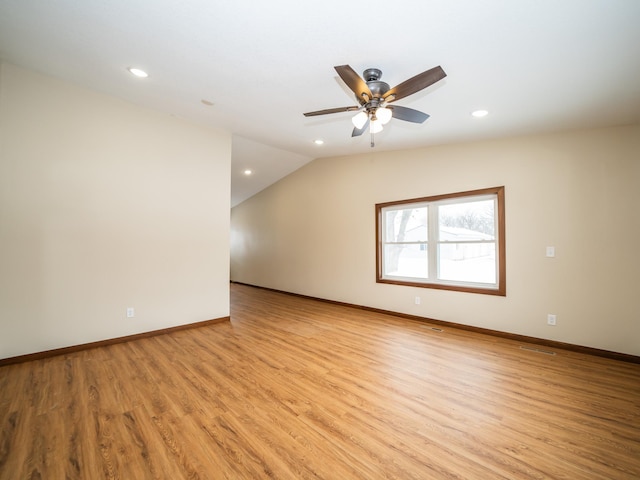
(293, 388)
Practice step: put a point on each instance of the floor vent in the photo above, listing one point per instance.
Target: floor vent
(435, 329)
(537, 350)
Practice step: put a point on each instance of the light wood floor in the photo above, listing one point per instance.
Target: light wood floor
(293, 388)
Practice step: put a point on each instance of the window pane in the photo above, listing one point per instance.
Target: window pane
(467, 221)
(467, 262)
(406, 261)
(406, 225)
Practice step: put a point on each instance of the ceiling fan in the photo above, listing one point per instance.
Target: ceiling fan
(374, 97)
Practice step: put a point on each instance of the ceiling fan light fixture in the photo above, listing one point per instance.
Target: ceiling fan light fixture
(360, 119)
(376, 126)
(384, 115)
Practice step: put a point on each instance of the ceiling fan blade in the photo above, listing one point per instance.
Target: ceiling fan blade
(354, 82)
(332, 110)
(407, 114)
(359, 131)
(415, 84)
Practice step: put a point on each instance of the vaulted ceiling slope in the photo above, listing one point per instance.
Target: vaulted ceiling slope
(536, 65)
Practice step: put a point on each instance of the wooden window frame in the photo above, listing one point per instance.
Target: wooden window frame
(501, 284)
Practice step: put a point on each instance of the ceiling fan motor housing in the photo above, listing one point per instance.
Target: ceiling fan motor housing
(372, 77)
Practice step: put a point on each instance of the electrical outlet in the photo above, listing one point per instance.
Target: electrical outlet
(131, 312)
(417, 300)
(551, 319)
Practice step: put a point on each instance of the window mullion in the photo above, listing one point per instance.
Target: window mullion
(432, 241)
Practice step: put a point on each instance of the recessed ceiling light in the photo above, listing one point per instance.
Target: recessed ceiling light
(138, 73)
(248, 171)
(480, 113)
(318, 142)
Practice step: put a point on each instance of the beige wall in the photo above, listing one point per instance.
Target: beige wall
(313, 232)
(104, 206)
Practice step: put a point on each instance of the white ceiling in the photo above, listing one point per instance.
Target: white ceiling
(536, 65)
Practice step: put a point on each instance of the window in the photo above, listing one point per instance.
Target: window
(452, 242)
